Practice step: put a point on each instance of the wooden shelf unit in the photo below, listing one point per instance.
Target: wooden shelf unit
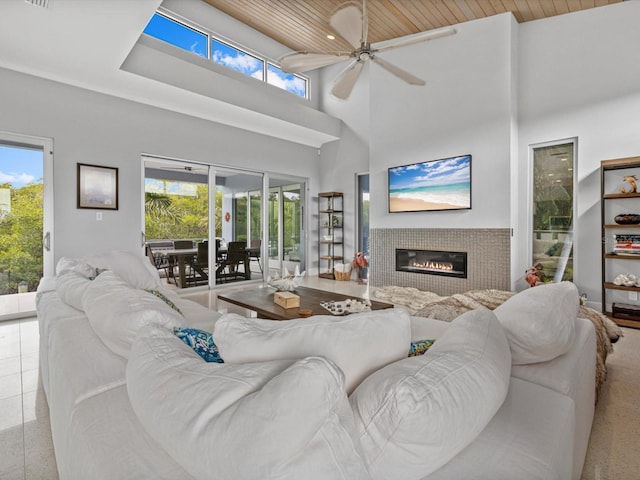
(609, 170)
(330, 223)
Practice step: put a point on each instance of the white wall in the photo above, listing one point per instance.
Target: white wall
(93, 128)
(492, 90)
(343, 159)
(580, 77)
(465, 108)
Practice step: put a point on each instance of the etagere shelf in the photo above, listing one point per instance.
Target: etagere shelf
(614, 202)
(330, 232)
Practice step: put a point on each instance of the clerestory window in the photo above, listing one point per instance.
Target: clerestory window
(195, 40)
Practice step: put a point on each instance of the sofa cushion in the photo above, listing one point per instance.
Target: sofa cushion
(164, 298)
(116, 311)
(135, 269)
(416, 414)
(359, 343)
(531, 437)
(422, 327)
(70, 287)
(104, 440)
(278, 419)
(540, 322)
(70, 264)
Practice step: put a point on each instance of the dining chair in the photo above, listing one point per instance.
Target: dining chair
(254, 252)
(173, 264)
(159, 261)
(199, 265)
(236, 256)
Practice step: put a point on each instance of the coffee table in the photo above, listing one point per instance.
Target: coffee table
(260, 300)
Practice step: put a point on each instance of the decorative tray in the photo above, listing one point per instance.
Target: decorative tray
(345, 307)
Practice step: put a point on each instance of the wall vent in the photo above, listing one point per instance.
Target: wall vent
(39, 3)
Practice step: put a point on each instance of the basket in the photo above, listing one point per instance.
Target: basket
(342, 276)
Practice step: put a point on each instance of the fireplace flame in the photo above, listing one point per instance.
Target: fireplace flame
(444, 267)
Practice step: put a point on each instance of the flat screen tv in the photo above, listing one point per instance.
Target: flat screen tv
(443, 184)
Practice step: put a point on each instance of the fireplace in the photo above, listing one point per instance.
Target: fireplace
(432, 262)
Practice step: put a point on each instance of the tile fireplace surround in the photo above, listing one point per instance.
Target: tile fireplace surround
(488, 257)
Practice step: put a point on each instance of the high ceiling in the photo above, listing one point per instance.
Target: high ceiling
(303, 25)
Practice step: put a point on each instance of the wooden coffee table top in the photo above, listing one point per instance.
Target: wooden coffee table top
(261, 300)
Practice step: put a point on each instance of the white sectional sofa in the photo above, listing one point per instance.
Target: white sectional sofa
(295, 405)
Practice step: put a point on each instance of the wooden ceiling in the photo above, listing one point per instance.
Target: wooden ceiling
(303, 25)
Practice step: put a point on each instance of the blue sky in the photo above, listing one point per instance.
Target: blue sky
(176, 34)
(20, 166)
(429, 174)
(195, 42)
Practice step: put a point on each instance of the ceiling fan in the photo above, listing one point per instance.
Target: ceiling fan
(350, 22)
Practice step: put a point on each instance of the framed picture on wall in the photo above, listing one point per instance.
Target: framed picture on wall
(97, 187)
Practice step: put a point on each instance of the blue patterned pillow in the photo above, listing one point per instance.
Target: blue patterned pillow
(420, 347)
(201, 342)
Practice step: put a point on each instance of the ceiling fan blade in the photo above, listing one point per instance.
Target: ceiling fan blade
(401, 42)
(346, 80)
(302, 62)
(398, 72)
(347, 22)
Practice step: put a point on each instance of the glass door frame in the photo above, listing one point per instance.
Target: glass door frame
(213, 169)
(574, 207)
(359, 240)
(48, 253)
(304, 221)
(210, 213)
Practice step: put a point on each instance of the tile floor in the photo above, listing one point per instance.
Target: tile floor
(26, 449)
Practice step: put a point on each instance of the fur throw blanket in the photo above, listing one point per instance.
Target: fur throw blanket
(431, 305)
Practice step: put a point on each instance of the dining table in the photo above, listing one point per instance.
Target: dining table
(181, 258)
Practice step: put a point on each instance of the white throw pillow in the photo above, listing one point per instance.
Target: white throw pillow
(135, 269)
(116, 311)
(540, 322)
(278, 420)
(68, 264)
(359, 344)
(70, 287)
(414, 415)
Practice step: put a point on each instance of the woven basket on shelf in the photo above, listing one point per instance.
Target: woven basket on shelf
(342, 276)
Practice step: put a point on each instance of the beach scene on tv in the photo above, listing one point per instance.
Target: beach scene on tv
(435, 185)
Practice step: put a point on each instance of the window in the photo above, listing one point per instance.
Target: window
(362, 180)
(287, 81)
(195, 40)
(235, 59)
(553, 206)
(175, 33)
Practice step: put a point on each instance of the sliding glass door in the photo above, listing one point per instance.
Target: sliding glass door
(26, 205)
(239, 239)
(203, 224)
(176, 220)
(286, 225)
